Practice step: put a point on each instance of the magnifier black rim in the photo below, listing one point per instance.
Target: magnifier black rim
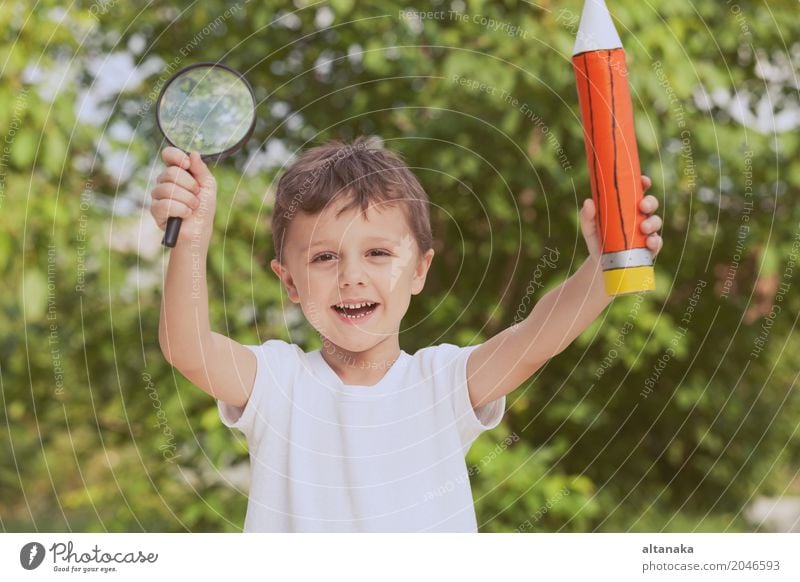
(215, 155)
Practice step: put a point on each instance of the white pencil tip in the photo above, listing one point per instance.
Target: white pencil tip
(596, 30)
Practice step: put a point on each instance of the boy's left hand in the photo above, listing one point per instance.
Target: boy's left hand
(650, 225)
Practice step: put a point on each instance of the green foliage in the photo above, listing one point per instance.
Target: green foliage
(677, 430)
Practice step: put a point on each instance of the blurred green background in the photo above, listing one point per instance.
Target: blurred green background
(677, 411)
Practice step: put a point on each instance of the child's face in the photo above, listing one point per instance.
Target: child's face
(353, 258)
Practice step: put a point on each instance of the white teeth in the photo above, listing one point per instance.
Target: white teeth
(355, 316)
(358, 316)
(353, 305)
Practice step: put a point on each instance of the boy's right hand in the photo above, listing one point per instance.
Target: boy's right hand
(186, 189)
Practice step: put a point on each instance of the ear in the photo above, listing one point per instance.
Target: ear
(286, 278)
(421, 271)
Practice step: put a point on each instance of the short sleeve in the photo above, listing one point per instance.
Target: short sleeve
(273, 359)
(471, 422)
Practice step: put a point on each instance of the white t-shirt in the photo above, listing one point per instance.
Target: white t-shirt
(332, 457)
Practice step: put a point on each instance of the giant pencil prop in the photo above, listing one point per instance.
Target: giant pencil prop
(607, 116)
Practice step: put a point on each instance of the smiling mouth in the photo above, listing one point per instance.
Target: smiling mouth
(363, 310)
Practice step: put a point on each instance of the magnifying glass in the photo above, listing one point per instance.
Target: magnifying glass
(207, 107)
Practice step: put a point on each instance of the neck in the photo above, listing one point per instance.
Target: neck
(364, 368)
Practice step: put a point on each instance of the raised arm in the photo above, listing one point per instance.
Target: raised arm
(502, 363)
(216, 364)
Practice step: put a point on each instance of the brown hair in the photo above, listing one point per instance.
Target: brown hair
(364, 171)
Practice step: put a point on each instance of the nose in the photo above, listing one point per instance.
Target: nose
(351, 273)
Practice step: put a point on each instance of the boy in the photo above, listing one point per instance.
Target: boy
(357, 436)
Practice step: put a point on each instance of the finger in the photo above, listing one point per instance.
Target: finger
(651, 224)
(587, 216)
(200, 170)
(646, 182)
(654, 242)
(172, 156)
(168, 191)
(649, 204)
(588, 210)
(159, 213)
(180, 177)
(164, 209)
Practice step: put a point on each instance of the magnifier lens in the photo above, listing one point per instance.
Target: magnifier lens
(207, 108)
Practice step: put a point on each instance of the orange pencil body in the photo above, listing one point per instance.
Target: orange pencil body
(614, 170)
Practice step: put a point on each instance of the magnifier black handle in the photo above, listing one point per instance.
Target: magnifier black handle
(171, 232)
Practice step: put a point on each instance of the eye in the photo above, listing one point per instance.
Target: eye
(327, 257)
(321, 258)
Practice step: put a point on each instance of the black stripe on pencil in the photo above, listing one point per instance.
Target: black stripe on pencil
(614, 138)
